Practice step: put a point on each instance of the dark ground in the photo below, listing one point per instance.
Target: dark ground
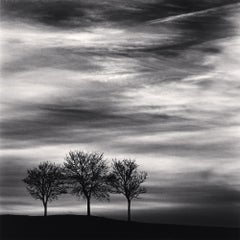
(83, 227)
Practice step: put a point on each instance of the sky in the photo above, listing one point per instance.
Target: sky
(152, 80)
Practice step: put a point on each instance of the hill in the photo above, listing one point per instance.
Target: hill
(83, 227)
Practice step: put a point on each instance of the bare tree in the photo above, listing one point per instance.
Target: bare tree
(87, 173)
(45, 182)
(126, 179)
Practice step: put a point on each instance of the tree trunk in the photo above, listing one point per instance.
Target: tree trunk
(129, 210)
(88, 207)
(45, 209)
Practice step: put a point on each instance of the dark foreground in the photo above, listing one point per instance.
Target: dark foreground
(82, 227)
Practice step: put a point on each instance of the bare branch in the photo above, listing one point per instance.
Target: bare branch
(45, 182)
(87, 173)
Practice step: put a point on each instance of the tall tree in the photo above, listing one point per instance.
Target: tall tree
(87, 173)
(126, 179)
(45, 182)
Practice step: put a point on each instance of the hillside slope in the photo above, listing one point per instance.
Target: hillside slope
(82, 227)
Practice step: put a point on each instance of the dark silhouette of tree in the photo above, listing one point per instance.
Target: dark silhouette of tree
(126, 179)
(45, 182)
(87, 173)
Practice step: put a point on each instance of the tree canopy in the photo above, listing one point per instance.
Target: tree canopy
(87, 173)
(126, 179)
(45, 182)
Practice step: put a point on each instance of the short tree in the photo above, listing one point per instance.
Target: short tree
(45, 182)
(87, 173)
(126, 179)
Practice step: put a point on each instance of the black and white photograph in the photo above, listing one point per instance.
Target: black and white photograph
(120, 119)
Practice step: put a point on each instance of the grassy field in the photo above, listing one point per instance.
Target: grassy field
(83, 227)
